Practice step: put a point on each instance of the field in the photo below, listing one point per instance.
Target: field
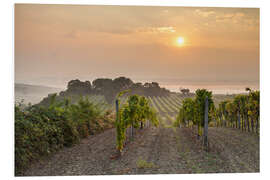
(168, 106)
(163, 149)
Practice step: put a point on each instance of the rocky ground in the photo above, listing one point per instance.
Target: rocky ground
(156, 150)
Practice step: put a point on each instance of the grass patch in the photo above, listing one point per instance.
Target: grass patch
(143, 164)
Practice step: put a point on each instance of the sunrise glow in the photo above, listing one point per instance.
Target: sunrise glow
(180, 41)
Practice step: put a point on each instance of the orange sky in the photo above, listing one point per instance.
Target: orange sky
(56, 43)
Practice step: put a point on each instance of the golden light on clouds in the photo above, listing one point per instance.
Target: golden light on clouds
(182, 39)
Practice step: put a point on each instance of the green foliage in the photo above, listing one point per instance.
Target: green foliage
(248, 107)
(40, 131)
(223, 113)
(180, 118)
(143, 164)
(201, 95)
(194, 110)
(188, 109)
(136, 111)
(253, 105)
(186, 112)
(231, 111)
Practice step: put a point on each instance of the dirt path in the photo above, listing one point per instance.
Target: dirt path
(161, 150)
(241, 149)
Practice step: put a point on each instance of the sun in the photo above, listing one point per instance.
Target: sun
(180, 41)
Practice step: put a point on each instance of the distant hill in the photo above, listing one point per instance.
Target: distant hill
(32, 93)
(109, 88)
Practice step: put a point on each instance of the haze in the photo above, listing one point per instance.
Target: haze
(57, 43)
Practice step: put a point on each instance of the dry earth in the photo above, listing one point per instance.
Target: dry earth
(161, 150)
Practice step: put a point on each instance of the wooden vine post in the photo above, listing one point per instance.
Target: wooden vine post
(117, 110)
(205, 134)
(117, 117)
(131, 131)
(129, 117)
(238, 118)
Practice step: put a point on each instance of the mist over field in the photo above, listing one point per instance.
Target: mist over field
(174, 85)
(32, 93)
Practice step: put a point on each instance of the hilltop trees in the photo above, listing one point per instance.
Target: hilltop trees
(77, 86)
(184, 91)
(105, 87)
(101, 84)
(109, 88)
(153, 89)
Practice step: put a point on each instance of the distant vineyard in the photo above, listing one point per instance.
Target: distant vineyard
(162, 105)
(166, 106)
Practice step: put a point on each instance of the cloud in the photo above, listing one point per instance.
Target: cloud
(161, 29)
(232, 17)
(204, 13)
(166, 29)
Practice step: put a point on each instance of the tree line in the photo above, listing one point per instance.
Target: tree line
(109, 88)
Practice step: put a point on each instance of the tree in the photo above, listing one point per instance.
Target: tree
(101, 84)
(248, 89)
(109, 88)
(79, 87)
(122, 83)
(184, 91)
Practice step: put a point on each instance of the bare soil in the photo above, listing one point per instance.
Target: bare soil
(156, 150)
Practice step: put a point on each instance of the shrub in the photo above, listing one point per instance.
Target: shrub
(39, 131)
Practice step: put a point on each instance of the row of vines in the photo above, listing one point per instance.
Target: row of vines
(133, 114)
(40, 130)
(192, 111)
(242, 112)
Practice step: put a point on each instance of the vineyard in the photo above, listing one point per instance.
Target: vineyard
(131, 89)
(241, 112)
(153, 134)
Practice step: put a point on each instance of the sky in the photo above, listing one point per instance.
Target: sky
(57, 43)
